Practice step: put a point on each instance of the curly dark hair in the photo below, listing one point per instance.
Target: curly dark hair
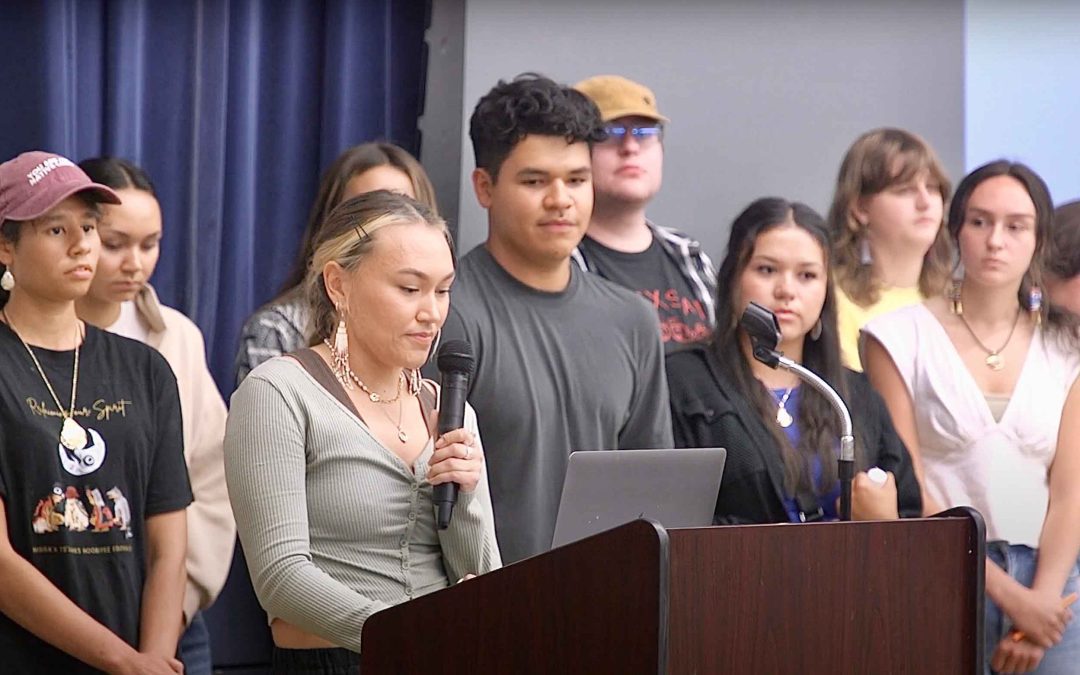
(529, 104)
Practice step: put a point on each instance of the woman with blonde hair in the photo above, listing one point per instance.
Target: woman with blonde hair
(331, 452)
(282, 325)
(889, 247)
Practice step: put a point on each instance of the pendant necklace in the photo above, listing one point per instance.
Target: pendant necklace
(993, 358)
(401, 435)
(783, 417)
(72, 435)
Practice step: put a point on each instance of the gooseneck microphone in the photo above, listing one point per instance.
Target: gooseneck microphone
(763, 329)
(456, 365)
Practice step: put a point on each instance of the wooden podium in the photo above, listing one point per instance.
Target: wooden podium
(866, 597)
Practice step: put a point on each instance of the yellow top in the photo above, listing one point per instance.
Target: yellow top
(850, 318)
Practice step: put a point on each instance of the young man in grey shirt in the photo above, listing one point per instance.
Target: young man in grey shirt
(565, 359)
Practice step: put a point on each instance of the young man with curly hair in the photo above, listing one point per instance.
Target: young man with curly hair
(565, 359)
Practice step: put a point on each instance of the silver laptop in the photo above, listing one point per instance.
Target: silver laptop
(607, 488)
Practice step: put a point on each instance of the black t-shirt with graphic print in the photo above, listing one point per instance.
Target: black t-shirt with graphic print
(79, 517)
(657, 277)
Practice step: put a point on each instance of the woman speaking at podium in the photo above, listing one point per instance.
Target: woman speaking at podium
(781, 437)
(331, 452)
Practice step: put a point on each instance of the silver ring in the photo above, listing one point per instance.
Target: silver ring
(468, 451)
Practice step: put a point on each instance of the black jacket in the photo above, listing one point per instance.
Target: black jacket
(708, 411)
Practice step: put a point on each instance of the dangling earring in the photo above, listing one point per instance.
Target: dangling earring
(339, 351)
(956, 304)
(866, 256)
(1035, 300)
(7, 281)
(416, 381)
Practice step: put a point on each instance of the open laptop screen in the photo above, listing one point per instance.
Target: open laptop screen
(607, 488)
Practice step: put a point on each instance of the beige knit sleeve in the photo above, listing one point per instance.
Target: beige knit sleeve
(265, 467)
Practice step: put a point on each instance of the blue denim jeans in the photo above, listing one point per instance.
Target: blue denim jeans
(195, 648)
(1019, 561)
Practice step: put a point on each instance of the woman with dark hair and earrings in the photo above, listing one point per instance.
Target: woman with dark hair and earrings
(283, 324)
(889, 244)
(331, 452)
(995, 371)
(782, 438)
(92, 476)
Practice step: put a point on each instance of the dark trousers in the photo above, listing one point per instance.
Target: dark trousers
(315, 662)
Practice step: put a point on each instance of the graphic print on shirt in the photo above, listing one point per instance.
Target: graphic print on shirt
(84, 461)
(682, 318)
(64, 509)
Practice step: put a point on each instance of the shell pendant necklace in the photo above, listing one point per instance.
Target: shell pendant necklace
(72, 435)
(993, 359)
(783, 417)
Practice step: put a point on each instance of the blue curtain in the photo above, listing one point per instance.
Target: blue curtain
(234, 107)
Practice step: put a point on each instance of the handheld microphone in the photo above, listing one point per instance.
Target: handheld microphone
(456, 365)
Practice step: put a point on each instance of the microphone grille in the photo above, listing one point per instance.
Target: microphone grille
(457, 356)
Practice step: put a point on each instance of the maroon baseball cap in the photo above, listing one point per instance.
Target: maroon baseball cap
(36, 181)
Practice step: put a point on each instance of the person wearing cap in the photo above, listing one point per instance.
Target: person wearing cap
(1063, 263)
(565, 360)
(93, 486)
(622, 244)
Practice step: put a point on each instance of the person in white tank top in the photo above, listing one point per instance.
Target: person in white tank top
(994, 368)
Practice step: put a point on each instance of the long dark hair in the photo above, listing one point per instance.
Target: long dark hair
(818, 424)
(117, 173)
(1061, 323)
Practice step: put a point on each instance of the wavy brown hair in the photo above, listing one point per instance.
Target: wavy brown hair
(876, 161)
(348, 236)
(353, 162)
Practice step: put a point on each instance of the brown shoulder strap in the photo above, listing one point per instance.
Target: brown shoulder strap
(427, 404)
(318, 368)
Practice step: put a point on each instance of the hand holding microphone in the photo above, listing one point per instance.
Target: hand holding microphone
(457, 460)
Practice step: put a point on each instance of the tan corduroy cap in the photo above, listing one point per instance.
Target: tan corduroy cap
(617, 97)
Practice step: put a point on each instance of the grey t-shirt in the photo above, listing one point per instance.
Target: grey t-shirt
(581, 369)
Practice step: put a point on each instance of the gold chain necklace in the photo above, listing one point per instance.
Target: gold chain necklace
(375, 397)
(993, 358)
(72, 435)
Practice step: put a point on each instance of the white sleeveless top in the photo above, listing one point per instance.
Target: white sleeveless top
(999, 467)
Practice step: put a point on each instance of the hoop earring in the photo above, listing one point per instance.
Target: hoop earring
(1035, 302)
(434, 346)
(815, 332)
(7, 281)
